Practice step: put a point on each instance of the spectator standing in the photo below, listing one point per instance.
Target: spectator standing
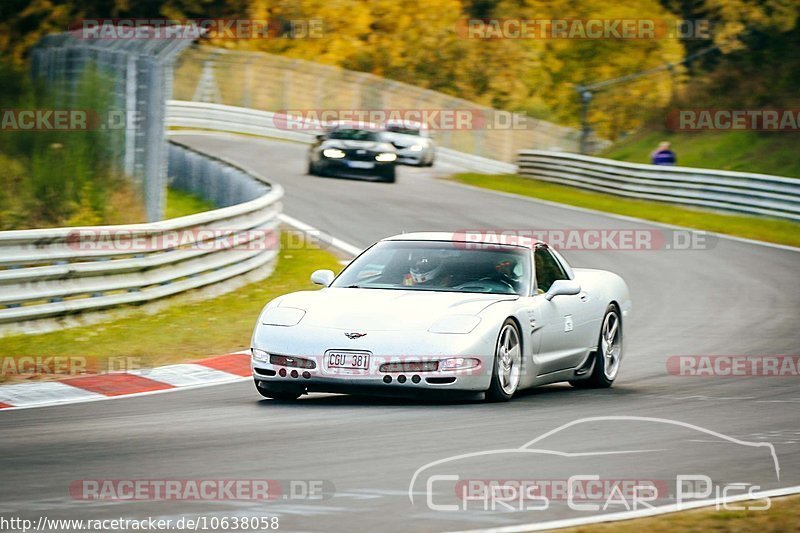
(663, 155)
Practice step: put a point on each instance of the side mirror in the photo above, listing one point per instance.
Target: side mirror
(565, 287)
(322, 277)
(320, 136)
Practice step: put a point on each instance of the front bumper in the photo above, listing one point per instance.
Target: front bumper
(402, 348)
(408, 157)
(342, 167)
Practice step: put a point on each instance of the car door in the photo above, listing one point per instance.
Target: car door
(560, 323)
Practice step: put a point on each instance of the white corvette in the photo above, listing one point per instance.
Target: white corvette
(430, 311)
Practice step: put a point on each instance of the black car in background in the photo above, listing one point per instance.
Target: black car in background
(353, 151)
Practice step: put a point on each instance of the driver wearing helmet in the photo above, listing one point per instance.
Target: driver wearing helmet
(429, 270)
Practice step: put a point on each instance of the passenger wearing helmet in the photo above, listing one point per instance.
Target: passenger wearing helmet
(429, 270)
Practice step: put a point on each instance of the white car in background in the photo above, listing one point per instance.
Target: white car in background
(412, 141)
(433, 311)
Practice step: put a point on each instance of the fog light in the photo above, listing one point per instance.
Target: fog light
(460, 363)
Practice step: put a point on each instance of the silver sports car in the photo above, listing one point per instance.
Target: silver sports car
(438, 311)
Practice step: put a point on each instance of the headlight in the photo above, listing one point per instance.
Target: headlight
(260, 355)
(386, 158)
(416, 147)
(333, 153)
(282, 316)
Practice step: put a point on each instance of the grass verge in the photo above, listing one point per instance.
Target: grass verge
(181, 204)
(784, 515)
(742, 151)
(181, 332)
(762, 229)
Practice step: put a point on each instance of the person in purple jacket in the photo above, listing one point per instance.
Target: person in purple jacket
(663, 155)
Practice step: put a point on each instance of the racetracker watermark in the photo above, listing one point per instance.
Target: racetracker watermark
(200, 489)
(583, 29)
(193, 239)
(589, 239)
(728, 366)
(776, 120)
(126, 29)
(431, 119)
(37, 119)
(64, 365)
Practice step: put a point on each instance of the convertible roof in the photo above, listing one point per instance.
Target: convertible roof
(470, 236)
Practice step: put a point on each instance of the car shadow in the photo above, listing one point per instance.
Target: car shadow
(548, 394)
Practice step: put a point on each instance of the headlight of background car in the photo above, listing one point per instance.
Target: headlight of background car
(333, 153)
(386, 158)
(416, 147)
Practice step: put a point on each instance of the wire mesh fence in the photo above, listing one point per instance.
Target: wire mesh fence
(279, 84)
(140, 76)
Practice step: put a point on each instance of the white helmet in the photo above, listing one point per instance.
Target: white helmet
(427, 268)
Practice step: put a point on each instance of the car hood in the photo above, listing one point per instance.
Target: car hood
(343, 144)
(384, 309)
(403, 139)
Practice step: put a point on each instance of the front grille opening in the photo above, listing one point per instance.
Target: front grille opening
(440, 381)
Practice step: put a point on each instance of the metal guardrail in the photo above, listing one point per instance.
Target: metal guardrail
(756, 194)
(241, 120)
(54, 272)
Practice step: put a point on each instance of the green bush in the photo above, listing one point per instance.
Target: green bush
(60, 177)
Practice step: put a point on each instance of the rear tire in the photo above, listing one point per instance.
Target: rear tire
(507, 364)
(312, 169)
(278, 392)
(608, 355)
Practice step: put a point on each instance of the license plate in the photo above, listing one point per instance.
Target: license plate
(356, 361)
(360, 164)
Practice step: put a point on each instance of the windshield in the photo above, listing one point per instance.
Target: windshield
(353, 134)
(440, 266)
(404, 130)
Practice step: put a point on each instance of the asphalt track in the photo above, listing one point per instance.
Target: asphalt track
(735, 298)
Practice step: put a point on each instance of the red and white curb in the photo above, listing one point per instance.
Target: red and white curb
(210, 371)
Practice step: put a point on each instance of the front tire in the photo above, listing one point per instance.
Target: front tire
(277, 392)
(388, 175)
(608, 355)
(507, 364)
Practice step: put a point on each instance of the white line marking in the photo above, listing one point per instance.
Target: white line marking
(639, 513)
(43, 393)
(185, 374)
(101, 398)
(341, 245)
